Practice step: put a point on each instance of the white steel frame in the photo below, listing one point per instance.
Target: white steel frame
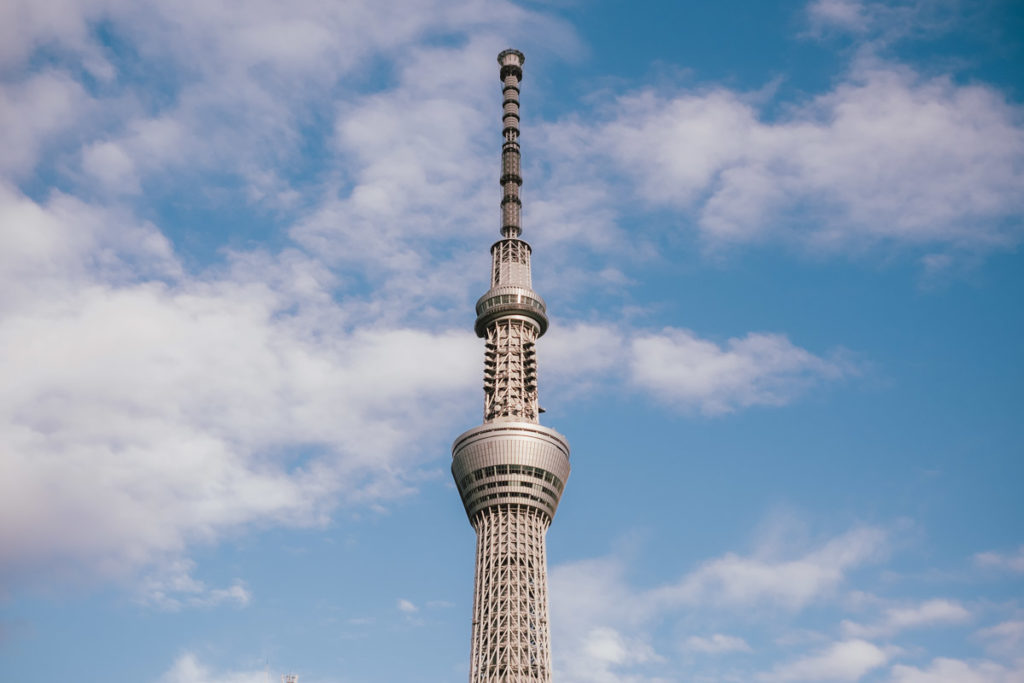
(510, 601)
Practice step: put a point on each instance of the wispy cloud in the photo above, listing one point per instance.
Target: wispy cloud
(686, 371)
(594, 602)
(785, 607)
(1011, 561)
(877, 24)
(948, 670)
(847, 660)
(1005, 638)
(188, 668)
(155, 400)
(787, 582)
(147, 409)
(850, 15)
(692, 373)
(887, 157)
(172, 587)
(896, 619)
(718, 643)
(35, 112)
(163, 403)
(604, 649)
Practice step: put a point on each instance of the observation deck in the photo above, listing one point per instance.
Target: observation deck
(513, 301)
(509, 462)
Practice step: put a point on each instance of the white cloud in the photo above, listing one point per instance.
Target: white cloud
(845, 14)
(594, 592)
(235, 92)
(189, 669)
(163, 407)
(786, 582)
(693, 373)
(719, 643)
(946, 670)
(1006, 638)
(603, 650)
(877, 25)
(413, 194)
(64, 244)
(265, 71)
(848, 660)
(35, 112)
(609, 629)
(145, 410)
(109, 164)
(682, 369)
(598, 622)
(1012, 561)
(592, 601)
(578, 357)
(896, 619)
(407, 606)
(790, 580)
(26, 25)
(887, 157)
(172, 587)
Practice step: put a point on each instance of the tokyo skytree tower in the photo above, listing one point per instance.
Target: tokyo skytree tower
(510, 471)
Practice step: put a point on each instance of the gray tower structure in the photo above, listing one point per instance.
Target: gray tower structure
(510, 471)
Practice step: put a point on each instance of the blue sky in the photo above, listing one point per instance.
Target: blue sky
(780, 244)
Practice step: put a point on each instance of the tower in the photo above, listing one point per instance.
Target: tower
(510, 471)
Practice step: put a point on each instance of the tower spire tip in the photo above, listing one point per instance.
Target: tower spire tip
(510, 56)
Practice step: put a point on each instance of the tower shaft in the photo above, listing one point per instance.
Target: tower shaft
(510, 615)
(510, 471)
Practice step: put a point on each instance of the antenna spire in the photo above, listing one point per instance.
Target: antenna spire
(511, 62)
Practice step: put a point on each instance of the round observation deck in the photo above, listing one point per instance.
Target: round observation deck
(507, 301)
(506, 462)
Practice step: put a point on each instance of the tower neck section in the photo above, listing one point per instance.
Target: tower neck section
(510, 316)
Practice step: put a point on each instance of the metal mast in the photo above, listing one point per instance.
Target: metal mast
(510, 471)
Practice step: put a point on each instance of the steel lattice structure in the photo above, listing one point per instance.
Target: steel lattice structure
(510, 470)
